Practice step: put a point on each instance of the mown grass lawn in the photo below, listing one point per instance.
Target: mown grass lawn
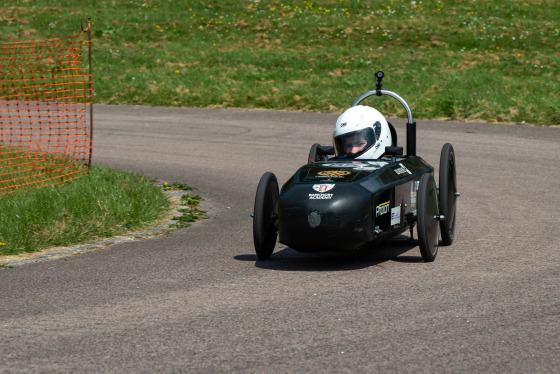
(471, 60)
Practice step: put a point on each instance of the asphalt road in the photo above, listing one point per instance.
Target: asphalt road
(197, 300)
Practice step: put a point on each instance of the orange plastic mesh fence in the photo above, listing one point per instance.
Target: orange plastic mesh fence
(45, 94)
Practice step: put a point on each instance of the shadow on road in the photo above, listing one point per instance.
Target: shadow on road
(287, 259)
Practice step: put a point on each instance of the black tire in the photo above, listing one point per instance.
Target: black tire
(447, 194)
(265, 219)
(313, 154)
(428, 213)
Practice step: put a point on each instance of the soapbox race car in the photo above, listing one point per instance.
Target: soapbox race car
(337, 204)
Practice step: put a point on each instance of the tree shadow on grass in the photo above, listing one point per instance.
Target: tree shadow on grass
(287, 259)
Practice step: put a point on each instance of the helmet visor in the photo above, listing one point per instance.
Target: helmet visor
(355, 143)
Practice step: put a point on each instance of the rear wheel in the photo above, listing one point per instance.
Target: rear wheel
(265, 219)
(428, 216)
(447, 194)
(313, 154)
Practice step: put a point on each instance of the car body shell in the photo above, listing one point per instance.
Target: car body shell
(348, 205)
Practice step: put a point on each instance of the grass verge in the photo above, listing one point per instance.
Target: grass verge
(104, 204)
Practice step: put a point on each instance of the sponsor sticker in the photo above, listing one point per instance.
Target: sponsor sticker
(396, 215)
(314, 219)
(333, 173)
(320, 196)
(323, 187)
(358, 165)
(402, 170)
(413, 189)
(382, 209)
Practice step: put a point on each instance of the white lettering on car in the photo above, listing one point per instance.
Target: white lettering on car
(320, 196)
(382, 209)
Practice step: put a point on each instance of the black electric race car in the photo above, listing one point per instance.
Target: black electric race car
(333, 204)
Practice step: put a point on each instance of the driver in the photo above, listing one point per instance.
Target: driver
(361, 132)
(354, 142)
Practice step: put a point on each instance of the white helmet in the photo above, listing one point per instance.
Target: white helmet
(361, 132)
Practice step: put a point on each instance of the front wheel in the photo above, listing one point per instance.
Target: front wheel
(447, 193)
(428, 216)
(265, 216)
